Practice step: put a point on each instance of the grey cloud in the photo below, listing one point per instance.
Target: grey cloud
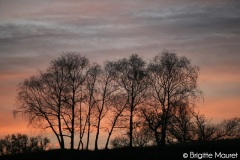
(198, 28)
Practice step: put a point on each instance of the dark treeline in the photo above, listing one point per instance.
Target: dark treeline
(22, 143)
(173, 152)
(149, 103)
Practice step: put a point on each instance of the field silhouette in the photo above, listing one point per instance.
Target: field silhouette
(174, 151)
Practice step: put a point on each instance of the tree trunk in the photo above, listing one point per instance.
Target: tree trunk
(88, 133)
(82, 130)
(97, 134)
(163, 134)
(62, 145)
(72, 131)
(131, 128)
(109, 135)
(163, 138)
(157, 138)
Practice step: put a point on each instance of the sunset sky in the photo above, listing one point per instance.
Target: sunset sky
(33, 32)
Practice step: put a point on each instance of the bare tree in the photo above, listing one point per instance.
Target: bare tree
(173, 82)
(204, 130)
(228, 128)
(132, 78)
(92, 93)
(187, 125)
(142, 135)
(152, 114)
(181, 125)
(49, 100)
(106, 89)
(41, 104)
(74, 73)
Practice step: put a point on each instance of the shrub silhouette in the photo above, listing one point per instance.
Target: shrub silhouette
(21, 143)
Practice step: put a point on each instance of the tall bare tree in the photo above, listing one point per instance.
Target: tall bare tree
(106, 89)
(41, 104)
(133, 80)
(49, 100)
(92, 89)
(74, 68)
(173, 82)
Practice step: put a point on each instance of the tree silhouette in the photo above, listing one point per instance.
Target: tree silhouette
(50, 99)
(181, 124)
(204, 130)
(73, 69)
(41, 104)
(132, 78)
(20, 143)
(106, 89)
(173, 83)
(92, 93)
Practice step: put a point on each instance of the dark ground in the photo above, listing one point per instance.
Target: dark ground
(170, 152)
